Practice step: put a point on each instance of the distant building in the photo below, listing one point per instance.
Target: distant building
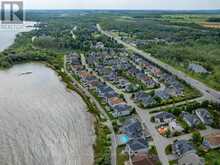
(197, 68)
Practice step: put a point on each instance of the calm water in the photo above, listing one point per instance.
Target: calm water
(40, 122)
(7, 36)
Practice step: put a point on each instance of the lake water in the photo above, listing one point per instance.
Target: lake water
(41, 123)
(8, 35)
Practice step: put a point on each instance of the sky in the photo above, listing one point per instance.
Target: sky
(123, 4)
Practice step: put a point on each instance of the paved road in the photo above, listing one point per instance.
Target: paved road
(209, 93)
(101, 110)
(199, 99)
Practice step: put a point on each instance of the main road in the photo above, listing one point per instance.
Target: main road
(209, 93)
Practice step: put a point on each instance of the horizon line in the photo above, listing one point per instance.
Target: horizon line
(128, 9)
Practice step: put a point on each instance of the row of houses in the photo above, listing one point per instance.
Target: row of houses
(108, 65)
(153, 98)
(131, 132)
(167, 121)
(173, 86)
(140, 74)
(118, 106)
(200, 115)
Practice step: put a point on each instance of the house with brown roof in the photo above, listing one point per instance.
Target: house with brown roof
(115, 101)
(144, 159)
(212, 141)
(85, 74)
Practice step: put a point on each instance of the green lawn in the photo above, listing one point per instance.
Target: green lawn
(212, 157)
(121, 158)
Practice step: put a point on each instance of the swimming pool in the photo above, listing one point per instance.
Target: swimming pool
(123, 139)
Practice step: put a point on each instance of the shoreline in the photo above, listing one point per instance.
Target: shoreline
(90, 117)
(28, 26)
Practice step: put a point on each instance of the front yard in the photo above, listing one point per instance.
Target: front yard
(121, 157)
(212, 157)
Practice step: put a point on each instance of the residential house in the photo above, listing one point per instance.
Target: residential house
(111, 77)
(197, 68)
(115, 101)
(105, 91)
(131, 88)
(181, 147)
(204, 116)
(174, 91)
(212, 141)
(85, 74)
(191, 159)
(191, 120)
(136, 146)
(144, 159)
(123, 83)
(175, 127)
(75, 61)
(144, 99)
(104, 70)
(108, 95)
(132, 127)
(94, 84)
(164, 118)
(121, 110)
(99, 45)
(162, 94)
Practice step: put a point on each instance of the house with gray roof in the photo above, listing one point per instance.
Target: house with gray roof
(162, 94)
(181, 147)
(133, 128)
(204, 116)
(197, 68)
(121, 110)
(136, 146)
(164, 118)
(191, 120)
(144, 99)
(191, 159)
